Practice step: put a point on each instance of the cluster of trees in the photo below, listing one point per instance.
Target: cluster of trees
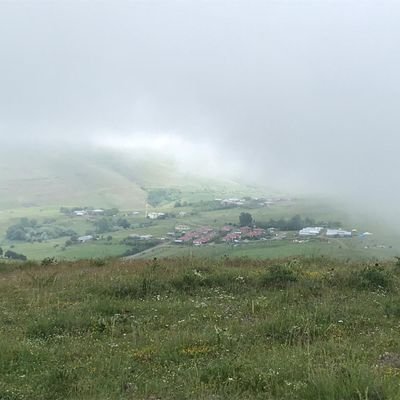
(30, 230)
(138, 245)
(107, 224)
(211, 205)
(245, 219)
(157, 196)
(180, 203)
(12, 255)
(295, 223)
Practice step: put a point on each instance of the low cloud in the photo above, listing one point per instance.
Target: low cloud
(299, 95)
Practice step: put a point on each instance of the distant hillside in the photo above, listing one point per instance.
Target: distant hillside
(86, 177)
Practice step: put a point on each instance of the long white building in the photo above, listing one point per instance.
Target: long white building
(311, 231)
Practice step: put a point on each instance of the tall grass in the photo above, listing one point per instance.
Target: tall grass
(199, 329)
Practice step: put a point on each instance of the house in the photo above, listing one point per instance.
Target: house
(232, 237)
(182, 228)
(80, 213)
(156, 215)
(145, 237)
(86, 238)
(232, 202)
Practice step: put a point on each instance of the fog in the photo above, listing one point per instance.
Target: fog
(303, 95)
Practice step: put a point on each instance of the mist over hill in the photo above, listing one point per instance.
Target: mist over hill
(102, 177)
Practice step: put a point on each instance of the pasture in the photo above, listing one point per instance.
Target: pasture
(199, 328)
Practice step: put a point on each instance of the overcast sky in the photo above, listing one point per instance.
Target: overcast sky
(303, 93)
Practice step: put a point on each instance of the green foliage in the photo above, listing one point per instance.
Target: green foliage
(296, 223)
(371, 278)
(32, 231)
(245, 219)
(279, 276)
(48, 261)
(14, 255)
(138, 245)
(123, 222)
(103, 225)
(161, 195)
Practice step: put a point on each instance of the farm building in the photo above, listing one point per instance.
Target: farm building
(182, 228)
(310, 231)
(156, 215)
(338, 233)
(98, 211)
(80, 213)
(84, 239)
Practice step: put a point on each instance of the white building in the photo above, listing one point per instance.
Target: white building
(84, 239)
(80, 213)
(338, 233)
(155, 215)
(98, 211)
(311, 231)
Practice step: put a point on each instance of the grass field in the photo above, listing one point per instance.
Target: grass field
(195, 328)
(342, 249)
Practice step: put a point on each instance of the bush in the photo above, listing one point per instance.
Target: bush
(279, 276)
(371, 278)
(48, 261)
(188, 282)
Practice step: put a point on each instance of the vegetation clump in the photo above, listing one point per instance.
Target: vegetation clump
(279, 276)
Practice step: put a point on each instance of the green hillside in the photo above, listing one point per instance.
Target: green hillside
(189, 328)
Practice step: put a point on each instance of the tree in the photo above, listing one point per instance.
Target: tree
(102, 225)
(1, 251)
(14, 256)
(124, 223)
(245, 219)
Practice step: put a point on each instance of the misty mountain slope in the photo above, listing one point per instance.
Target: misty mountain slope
(70, 179)
(91, 178)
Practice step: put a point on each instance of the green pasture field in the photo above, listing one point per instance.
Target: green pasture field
(196, 328)
(343, 249)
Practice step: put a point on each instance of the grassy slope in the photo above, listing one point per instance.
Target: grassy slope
(66, 179)
(200, 329)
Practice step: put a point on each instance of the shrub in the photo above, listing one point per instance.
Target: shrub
(48, 261)
(371, 278)
(279, 276)
(188, 282)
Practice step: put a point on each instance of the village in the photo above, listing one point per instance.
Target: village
(212, 226)
(229, 234)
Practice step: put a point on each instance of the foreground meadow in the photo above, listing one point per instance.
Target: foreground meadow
(192, 328)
